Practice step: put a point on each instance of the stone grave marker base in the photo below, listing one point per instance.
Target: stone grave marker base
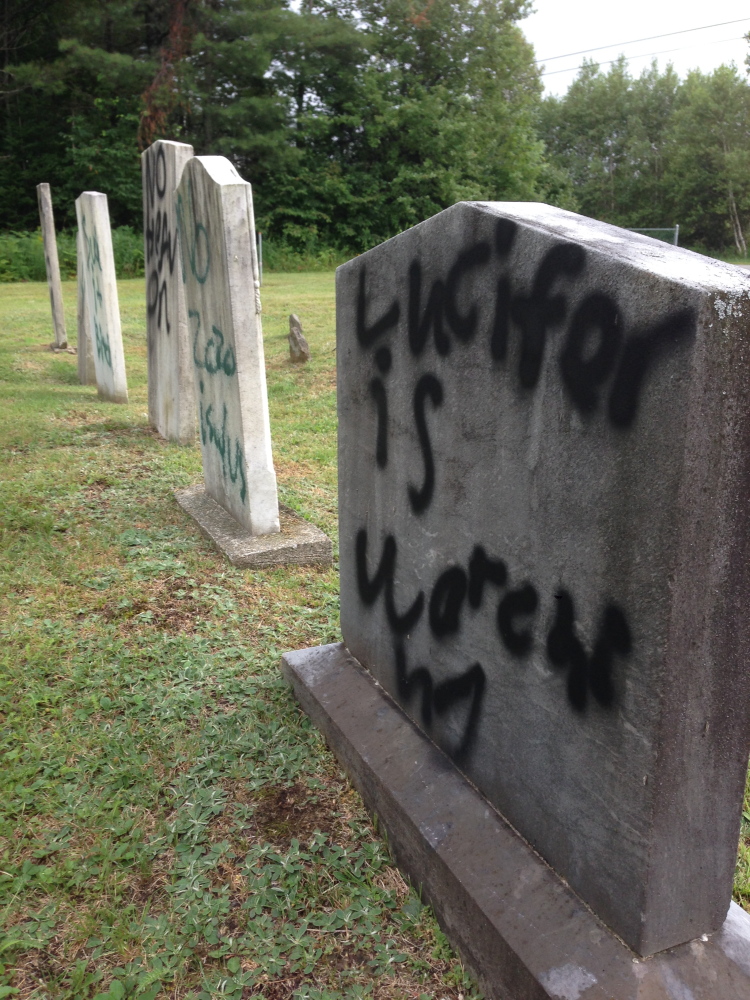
(517, 925)
(299, 543)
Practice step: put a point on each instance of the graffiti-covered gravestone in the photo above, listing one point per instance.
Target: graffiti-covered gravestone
(52, 264)
(85, 345)
(100, 293)
(543, 470)
(171, 406)
(238, 509)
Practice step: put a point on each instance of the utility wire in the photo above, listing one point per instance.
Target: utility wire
(643, 55)
(637, 41)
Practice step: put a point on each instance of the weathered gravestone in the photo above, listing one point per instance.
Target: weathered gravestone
(299, 349)
(544, 438)
(100, 292)
(52, 264)
(171, 404)
(85, 347)
(239, 508)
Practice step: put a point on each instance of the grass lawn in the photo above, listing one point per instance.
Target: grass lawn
(170, 823)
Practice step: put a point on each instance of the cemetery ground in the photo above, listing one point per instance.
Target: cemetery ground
(171, 825)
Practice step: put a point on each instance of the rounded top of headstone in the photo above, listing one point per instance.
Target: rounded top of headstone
(218, 168)
(167, 142)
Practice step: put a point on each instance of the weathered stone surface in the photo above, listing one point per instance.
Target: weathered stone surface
(544, 430)
(85, 349)
(298, 543)
(299, 349)
(100, 291)
(171, 394)
(52, 263)
(518, 926)
(220, 269)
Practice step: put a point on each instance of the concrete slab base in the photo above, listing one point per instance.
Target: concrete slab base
(299, 543)
(516, 924)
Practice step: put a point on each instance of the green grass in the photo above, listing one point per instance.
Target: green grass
(170, 823)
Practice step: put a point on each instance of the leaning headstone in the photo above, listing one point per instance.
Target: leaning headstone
(85, 348)
(100, 291)
(544, 444)
(299, 349)
(171, 406)
(52, 264)
(239, 505)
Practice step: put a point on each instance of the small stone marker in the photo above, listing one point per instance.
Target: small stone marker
(299, 349)
(52, 264)
(86, 366)
(100, 291)
(222, 292)
(544, 438)
(171, 403)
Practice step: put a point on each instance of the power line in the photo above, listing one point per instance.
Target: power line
(643, 55)
(637, 41)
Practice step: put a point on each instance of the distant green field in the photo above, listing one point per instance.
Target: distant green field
(170, 823)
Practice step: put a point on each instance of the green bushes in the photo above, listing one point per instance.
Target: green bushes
(279, 255)
(22, 255)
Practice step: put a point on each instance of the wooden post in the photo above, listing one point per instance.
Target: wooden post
(52, 263)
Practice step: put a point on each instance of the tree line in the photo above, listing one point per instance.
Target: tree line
(355, 119)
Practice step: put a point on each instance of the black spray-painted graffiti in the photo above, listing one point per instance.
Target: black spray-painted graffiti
(161, 240)
(94, 269)
(596, 358)
(516, 613)
(604, 369)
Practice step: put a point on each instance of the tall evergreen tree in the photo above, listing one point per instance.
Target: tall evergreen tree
(352, 118)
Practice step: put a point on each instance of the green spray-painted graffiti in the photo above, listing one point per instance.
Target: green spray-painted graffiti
(194, 241)
(215, 357)
(231, 451)
(94, 270)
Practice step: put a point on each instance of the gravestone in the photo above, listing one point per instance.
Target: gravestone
(100, 291)
(239, 504)
(52, 264)
(85, 347)
(544, 438)
(299, 349)
(171, 404)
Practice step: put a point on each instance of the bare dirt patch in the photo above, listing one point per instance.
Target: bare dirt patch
(293, 813)
(167, 606)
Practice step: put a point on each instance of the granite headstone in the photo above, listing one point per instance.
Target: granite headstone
(171, 402)
(100, 291)
(222, 291)
(52, 263)
(85, 345)
(544, 435)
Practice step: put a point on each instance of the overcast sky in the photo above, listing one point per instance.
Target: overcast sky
(559, 27)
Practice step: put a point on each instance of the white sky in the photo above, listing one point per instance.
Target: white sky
(558, 27)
